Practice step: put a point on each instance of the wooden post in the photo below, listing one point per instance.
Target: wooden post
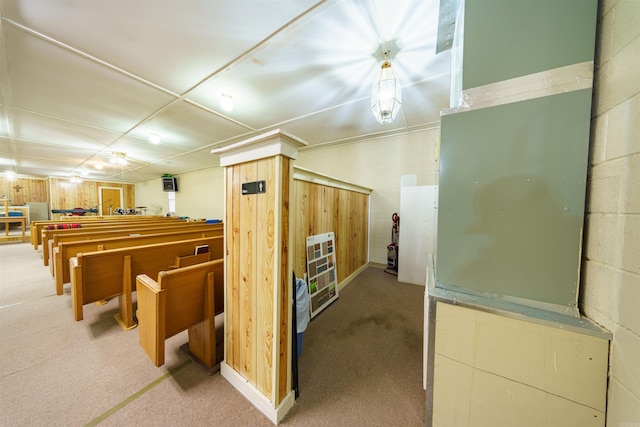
(258, 175)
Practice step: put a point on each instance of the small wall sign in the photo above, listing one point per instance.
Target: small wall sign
(255, 187)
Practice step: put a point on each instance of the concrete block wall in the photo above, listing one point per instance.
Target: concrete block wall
(610, 290)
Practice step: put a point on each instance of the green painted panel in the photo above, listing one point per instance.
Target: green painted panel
(504, 39)
(511, 198)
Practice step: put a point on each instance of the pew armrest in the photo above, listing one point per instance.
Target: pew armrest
(151, 317)
(75, 271)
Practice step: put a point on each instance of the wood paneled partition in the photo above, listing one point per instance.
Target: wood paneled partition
(322, 204)
(258, 281)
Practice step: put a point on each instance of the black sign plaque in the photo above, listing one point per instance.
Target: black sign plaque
(255, 187)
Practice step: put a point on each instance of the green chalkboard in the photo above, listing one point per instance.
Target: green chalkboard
(511, 199)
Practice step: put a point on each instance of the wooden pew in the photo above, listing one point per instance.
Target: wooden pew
(185, 298)
(64, 251)
(47, 229)
(54, 238)
(36, 227)
(47, 235)
(98, 276)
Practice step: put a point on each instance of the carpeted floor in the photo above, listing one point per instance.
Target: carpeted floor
(361, 362)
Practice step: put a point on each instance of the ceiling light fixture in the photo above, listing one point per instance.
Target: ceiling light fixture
(154, 138)
(386, 95)
(226, 102)
(118, 157)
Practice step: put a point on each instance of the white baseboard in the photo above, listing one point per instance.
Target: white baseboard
(253, 395)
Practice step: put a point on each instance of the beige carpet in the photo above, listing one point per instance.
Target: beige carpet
(361, 362)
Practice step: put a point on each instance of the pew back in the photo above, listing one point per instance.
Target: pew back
(185, 298)
(51, 237)
(64, 251)
(36, 227)
(97, 276)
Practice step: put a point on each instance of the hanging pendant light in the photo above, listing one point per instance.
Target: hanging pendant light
(386, 95)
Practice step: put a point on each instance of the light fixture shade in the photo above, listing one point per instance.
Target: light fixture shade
(386, 95)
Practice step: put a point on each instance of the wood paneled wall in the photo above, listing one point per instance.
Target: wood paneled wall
(257, 275)
(24, 190)
(61, 193)
(322, 204)
(68, 195)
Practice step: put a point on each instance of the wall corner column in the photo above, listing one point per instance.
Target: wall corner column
(258, 280)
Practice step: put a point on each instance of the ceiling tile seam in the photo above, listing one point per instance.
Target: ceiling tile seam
(61, 119)
(374, 135)
(46, 144)
(90, 57)
(240, 58)
(347, 103)
(383, 38)
(178, 97)
(5, 89)
(427, 79)
(218, 114)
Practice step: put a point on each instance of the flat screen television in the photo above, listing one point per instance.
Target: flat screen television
(169, 183)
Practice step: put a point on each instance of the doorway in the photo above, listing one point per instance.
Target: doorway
(109, 199)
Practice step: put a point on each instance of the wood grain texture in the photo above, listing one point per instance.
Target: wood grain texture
(67, 195)
(320, 209)
(181, 299)
(266, 275)
(285, 284)
(60, 193)
(247, 274)
(232, 239)
(258, 276)
(23, 190)
(99, 275)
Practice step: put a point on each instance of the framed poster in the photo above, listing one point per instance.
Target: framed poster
(321, 270)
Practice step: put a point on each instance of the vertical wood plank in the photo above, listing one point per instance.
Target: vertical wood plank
(265, 252)
(232, 257)
(285, 284)
(318, 209)
(247, 274)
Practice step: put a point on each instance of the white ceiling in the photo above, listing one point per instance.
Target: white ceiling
(80, 79)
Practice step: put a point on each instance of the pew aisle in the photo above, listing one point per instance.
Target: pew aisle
(360, 364)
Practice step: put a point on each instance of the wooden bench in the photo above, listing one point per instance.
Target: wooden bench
(47, 229)
(93, 234)
(131, 228)
(98, 276)
(64, 251)
(185, 298)
(37, 226)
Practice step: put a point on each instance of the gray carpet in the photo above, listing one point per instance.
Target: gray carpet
(361, 362)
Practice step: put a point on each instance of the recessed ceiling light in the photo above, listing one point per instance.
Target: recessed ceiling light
(154, 138)
(226, 102)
